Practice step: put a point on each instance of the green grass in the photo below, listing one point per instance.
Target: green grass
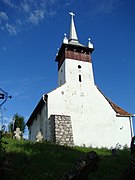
(37, 161)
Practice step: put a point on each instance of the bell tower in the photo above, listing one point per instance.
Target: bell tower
(74, 59)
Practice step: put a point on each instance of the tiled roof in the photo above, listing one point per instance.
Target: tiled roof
(117, 109)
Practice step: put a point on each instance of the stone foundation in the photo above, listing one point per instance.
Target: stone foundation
(61, 130)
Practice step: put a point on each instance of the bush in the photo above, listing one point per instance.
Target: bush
(9, 135)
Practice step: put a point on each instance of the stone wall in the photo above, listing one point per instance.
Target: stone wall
(61, 130)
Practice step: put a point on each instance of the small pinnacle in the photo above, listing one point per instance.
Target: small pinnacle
(90, 45)
(65, 40)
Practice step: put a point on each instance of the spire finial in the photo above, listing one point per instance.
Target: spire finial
(90, 45)
(73, 34)
(65, 39)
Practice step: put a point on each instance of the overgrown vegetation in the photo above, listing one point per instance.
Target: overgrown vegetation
(17, 122)
(2, 150)
(26, 160)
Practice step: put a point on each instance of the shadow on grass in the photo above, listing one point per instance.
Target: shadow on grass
(45, 161)
(112, 168)
(38, 161)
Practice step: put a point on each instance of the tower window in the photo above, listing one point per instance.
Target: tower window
(80, 78)
(79, 66)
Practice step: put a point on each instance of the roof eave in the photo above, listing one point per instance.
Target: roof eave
(119, 111)
(123, 115)
(34, 113)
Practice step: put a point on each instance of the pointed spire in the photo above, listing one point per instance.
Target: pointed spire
(73, 34)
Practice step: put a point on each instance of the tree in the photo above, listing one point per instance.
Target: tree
(17, 121)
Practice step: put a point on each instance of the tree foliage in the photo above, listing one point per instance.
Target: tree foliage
(17, 121)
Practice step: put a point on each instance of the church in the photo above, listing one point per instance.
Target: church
(77, 112)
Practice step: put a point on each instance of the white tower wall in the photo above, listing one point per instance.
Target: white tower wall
(73, 71)
(61, 75)
(75, 68)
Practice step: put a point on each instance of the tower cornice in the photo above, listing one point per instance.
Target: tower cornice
(75, 52)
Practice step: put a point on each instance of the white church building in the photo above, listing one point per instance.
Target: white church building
(77, 112)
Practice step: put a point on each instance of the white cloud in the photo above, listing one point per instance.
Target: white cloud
(25, 7)
(20, 14)
(11, 29)
(9, 3)
(107, 6)
(24, 86)
(3, 16)
(36, 16)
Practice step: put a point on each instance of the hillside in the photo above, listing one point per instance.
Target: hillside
(26, 160)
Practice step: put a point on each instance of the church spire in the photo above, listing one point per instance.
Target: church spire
(73, 35)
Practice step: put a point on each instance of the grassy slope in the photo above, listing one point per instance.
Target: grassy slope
(25, 160)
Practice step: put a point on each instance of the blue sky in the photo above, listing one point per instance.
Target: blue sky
(31, 31)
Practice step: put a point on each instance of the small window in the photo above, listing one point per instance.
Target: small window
(80, 78)
(79, 66)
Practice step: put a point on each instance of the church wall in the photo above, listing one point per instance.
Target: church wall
(94, 122)
(43, 121)
(34, 128)
(39, 124)
(104, 123)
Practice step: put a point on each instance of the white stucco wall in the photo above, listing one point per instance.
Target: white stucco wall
(61, 75)
(34, 128)
(94, 121)
(69, 71)
(72, 71)
(39, 124)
